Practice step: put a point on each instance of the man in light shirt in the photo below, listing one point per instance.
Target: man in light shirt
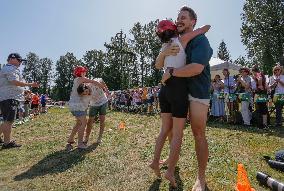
(11, 93)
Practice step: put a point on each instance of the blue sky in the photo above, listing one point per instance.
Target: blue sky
(51, 28)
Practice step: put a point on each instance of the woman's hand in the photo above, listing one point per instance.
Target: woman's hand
(172, 50)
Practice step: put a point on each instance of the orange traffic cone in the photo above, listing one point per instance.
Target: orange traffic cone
(242, 180)
(121, 125)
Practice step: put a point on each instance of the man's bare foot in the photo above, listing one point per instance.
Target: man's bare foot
(156, 169)
(171, 178)
(199, 186)
(163, 162)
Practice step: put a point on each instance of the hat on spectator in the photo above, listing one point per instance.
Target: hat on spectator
(15, 56)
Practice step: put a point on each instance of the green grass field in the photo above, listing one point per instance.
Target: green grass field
(120, 162)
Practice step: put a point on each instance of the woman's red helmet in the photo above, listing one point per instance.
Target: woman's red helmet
(79, 70)
(164, 25)
(166, 30)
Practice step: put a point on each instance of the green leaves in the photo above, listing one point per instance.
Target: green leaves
(223, 52)
(262, 31)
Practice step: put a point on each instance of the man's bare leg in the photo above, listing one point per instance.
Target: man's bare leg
(198, 124)
(6, 129)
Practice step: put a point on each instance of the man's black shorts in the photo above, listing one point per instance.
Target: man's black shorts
(9, 109)
(173, 97)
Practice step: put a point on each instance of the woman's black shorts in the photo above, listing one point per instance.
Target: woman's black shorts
(173, 97)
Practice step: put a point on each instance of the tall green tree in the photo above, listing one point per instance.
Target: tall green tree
(45, 69)
(223, 52)
(146, 46)
(95, 61)
(139, 45)
(242, 61)
(119, 62)
(31, 71)
(262, 31)
(64, 76)
(154, 46)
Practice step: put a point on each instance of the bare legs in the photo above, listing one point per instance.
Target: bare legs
(168, 122)
(90, 125)
(198, 124)
(165, 130)
(6, 129)
(175, 145)
(80, 129)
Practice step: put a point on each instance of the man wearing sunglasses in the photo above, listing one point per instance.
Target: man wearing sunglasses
(11, 92)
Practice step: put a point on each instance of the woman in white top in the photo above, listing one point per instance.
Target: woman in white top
(276, 84)
(78, 105)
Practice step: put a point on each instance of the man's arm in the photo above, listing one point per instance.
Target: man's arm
(200, 55)
(185, 71)
(23, 84)
(188, 70)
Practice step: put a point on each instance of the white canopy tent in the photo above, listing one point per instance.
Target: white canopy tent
(217, 65)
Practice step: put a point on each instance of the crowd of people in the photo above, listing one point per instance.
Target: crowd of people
(250, 92)
(140, 100)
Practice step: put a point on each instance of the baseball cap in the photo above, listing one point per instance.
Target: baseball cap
(15, 56)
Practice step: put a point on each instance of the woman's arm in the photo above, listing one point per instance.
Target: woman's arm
(184, 39)
(87, 80)
(171, 50)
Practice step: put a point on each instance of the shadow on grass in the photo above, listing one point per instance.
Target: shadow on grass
(272, 131)
(56, 162)
(156, 184)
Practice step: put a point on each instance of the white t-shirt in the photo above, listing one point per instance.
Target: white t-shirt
(174, 61)
(77, 102)
(279, 88)
(98, 96)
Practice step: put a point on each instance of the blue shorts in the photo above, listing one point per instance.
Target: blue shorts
(79, 113)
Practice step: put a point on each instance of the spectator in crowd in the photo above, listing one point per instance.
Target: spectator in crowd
(217, 107)
(276, 84)
(150, 101)
(35, 104)
(244, 86)
(260, 90)
(229, 87)
(27, 102)
(43, 103)
(11, 92)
